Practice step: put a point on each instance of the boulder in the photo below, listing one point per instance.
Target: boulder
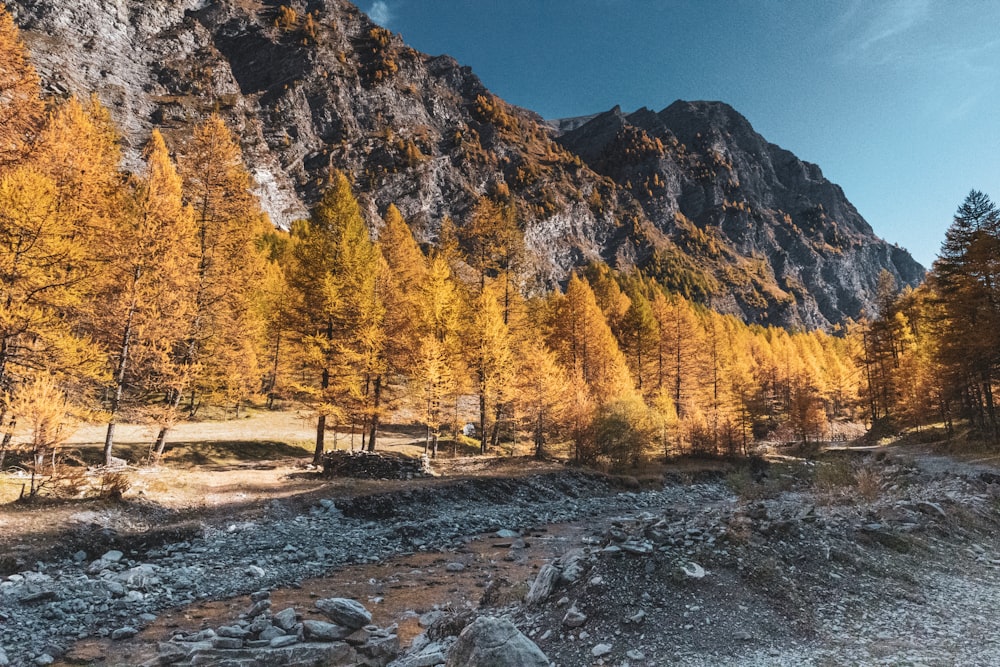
(494, 642)
(343, 611)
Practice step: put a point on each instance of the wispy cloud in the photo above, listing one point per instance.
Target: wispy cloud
(876, 29)
(380, 13)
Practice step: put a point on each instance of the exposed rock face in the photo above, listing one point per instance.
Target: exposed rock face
(763, 234)
(785, 243)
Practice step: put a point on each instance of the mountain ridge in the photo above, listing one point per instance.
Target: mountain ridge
(317, 85)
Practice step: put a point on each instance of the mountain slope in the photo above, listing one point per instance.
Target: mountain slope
(786, 242)
(317, 85)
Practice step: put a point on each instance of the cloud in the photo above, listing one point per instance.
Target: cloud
(380, 13)
(875, 30)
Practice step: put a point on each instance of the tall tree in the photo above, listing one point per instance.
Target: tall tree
(21, 107)
(333, 273)
(149, 263)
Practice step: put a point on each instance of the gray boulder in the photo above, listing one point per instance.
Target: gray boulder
(343, 611)
(494, 642)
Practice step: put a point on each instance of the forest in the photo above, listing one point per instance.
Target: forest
(146, 296)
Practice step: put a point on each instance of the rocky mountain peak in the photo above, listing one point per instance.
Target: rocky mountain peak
(691, 193)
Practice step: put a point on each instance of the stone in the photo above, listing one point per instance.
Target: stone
(258, 608)
(454, 567)
(382, 649)
(171, 652)
(601, 650)
(232, 631)
(80, 556)
(543, 585)
(343, 611)
(285, 619)
(635, 654)
(428, 619)
(44, 659)
(287, 640)
(693, 570)
(270, 633)
(227, 643)
(506, 534)
(126, 632)
(574, 618)
(260, 596)
(323, 631)
(638, 617)
(927, 507)
(4, 660)
(494, 642)
(255, 571)
(112, 556)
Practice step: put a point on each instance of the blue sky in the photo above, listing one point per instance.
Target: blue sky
(898, 101)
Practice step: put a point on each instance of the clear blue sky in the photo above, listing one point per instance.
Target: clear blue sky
(898, 101)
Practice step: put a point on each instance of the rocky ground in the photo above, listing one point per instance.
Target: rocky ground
(854, 559)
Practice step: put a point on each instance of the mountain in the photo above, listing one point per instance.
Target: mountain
(692, 194)
(782, 243)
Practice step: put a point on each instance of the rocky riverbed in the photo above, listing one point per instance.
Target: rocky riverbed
(893, 562)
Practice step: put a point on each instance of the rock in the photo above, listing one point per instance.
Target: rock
(601, 650)
(574, 618)
(635, 654)
(382, 649)
(227, 643)
(171, 652)
(343, 611)
(543, 585)
(126, 632)
(44, 659)
(40, 596)
(323, 631)
(454, 567)
(112, 556)
(693, 570)
(232, 631)
(271, 632)
(80, 556)
(430, 618)
(506, 534)
(255, 571)
(927, 507)
(285, 619)
(260, 596)
(494, 642)
(287, 640)
(4, 660)
(638, 617)
(258, 608)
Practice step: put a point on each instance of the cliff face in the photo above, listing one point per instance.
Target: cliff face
(691, 193)
(784, 242)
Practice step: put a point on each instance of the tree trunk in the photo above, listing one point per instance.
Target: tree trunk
(116, 395)
(376, 399)
(320, 440)
(482, 423)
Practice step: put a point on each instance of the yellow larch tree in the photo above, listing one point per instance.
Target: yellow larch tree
(227, 328)
(145, 288)
(21, 108)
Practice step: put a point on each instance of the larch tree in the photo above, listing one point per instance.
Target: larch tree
(39, 283)
(220, 352)
(439, 363)
(542, 392)
(149, 262)
(331, 273)
(21, 108)
(490, 354)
